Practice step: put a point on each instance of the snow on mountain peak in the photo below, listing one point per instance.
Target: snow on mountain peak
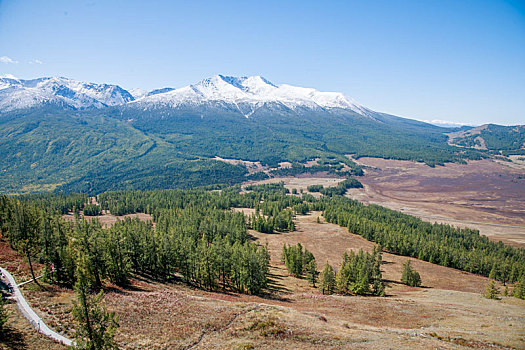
(254, 91)
(247, 94)
(9, 76)
(19, 94)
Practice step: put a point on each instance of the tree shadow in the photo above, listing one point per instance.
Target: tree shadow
(383, 262)
(389, 283)
(276, 289)
(250, 238)
(123, 289)
(12, 339)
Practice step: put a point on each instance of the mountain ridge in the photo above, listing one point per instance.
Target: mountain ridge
(254, 91)
(22, 94)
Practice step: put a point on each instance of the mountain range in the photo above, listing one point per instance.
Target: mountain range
(18, 94)
(247, 93)
(62, 134)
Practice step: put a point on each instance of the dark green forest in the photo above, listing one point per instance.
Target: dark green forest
(49, 149)
(196, 237)
(498, 139)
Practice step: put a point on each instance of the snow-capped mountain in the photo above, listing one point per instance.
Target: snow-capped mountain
(246, 95)
(252, 92)
(138, 93)
(20, 94)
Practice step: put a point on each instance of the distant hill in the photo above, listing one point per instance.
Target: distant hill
(56, 133)
(498, 139)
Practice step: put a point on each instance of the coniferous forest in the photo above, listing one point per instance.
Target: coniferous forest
(198, 238)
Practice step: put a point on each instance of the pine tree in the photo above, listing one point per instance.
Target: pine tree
(91, 245)
(410, 277)
(327, 280)
(311, 272)
(284, 253)
(378, 284)
(506, 291)
(343, 278)
(519, 288)
(491, 291)
(26, 230)
(494, 272)
(117, 261)
(95, 325)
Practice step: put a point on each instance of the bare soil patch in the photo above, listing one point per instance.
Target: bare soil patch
(108, 220)
(485, 195)
(252, 167)
(301, 182)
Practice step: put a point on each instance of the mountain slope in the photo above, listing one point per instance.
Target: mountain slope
(253, 119)
(48, 149)
(56, 133)
(506, 140)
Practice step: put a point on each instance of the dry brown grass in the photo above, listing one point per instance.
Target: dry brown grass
(484, 195)
(328, 242)
(20, 335)
(302, 181)
(449, 313)
(108, 220)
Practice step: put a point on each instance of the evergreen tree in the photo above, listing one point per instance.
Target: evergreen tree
(25, 228)
(410, 277)
(95, 325)
(519, 288)
(491, 291)
(284, 253)
(327, 283)
(90, 244)
(377, 276)
(311, 272)
(358, 272)
(117, 261)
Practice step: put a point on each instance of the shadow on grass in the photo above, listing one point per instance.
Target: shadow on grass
(122, 289)
(12, 339)
(275, 289)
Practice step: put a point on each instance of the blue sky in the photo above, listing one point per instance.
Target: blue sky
(460, 61)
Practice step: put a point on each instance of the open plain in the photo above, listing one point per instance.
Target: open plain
(485, 195)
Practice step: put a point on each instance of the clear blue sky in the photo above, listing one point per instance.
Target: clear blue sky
(453, 60)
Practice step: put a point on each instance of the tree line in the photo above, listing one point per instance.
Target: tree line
(299, 262)
(190, 224)
(460, 248)
(204, 246)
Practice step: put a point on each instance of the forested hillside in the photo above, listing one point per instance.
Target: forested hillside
(51, 149)
(197, 237)
(127, 148)
(498, 139)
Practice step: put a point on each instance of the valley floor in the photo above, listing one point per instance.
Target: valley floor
(485, 195)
